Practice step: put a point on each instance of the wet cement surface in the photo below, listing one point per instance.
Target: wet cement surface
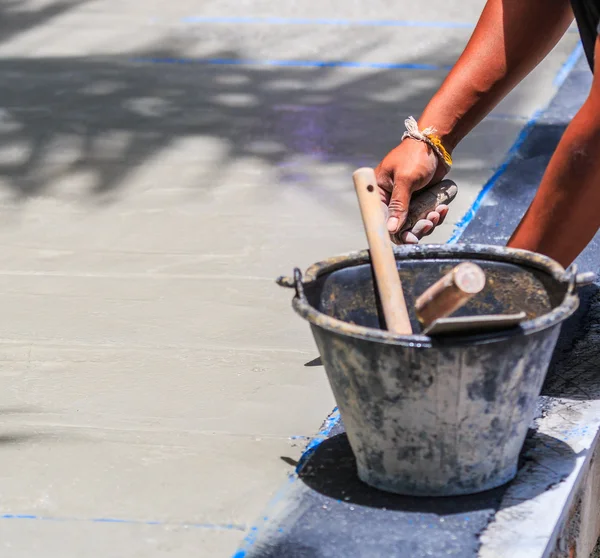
(161, 163)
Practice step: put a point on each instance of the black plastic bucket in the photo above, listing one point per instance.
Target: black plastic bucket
(445, 416)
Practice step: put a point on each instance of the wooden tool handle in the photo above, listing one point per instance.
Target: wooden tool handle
(382, 254)
(425, 201)
(451, 292)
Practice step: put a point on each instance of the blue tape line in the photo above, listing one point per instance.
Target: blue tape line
(252, 535)
(568, 65)
(319, 438)
(289, 63)
(215, 526)
(461, 225)
(327, 21)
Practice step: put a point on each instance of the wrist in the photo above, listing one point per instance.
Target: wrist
(444, 130)
(430, 137)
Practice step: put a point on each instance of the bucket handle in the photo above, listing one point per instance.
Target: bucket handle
(577, 280)
(293, 283)
(299, 286)
(585, 278)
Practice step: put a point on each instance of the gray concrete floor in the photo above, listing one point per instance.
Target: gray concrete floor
(154, 389)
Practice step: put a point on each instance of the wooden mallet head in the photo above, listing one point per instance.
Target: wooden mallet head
(451, 292)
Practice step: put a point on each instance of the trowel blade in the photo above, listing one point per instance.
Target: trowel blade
(474, 324)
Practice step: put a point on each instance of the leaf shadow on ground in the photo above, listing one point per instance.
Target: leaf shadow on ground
(86, 124)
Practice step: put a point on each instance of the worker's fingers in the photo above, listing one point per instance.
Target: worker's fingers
(398, 206)
(425, 227)
(443, 211)
(409, 238)
(434, 217)
(437, 218)
(421, 228)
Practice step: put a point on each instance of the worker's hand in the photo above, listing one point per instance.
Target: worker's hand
(404, 170)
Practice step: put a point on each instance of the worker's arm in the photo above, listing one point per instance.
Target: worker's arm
(510, 39)
(564, 215)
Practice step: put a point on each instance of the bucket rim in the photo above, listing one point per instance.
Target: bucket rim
(534, 260)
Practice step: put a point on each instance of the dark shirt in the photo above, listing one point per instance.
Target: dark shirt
(587, 14)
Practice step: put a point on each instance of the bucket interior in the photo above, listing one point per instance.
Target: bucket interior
(348, 294)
